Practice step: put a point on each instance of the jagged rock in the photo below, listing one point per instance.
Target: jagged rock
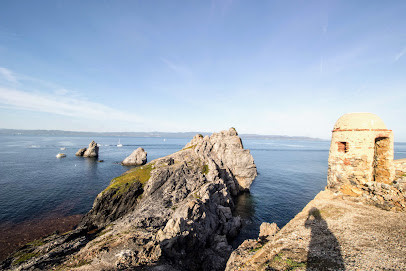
(330, 233)
(137, 158)
(267, 230)
(80, 152)
(227, 151)
(174, 213)
(92, 150)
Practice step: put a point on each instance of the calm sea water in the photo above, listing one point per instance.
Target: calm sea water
(35, 184)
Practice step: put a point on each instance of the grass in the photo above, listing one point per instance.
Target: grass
(22, 257)
(190, 147)
(196, 195)
(122, 183)
(35, 243)
(205, 169)
(256, 249)
(288, 264)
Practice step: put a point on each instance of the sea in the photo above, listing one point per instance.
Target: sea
(35, 185)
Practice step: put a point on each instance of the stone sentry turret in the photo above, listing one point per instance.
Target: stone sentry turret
(361, 151)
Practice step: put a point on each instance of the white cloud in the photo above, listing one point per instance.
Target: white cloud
(62, 105)
(8, 75)
(401, 53)
(181, 70)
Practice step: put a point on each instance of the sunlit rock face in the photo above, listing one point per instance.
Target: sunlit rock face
(173, 213)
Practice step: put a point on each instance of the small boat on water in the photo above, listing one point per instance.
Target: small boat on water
(60, 155)
(119, 144)
(63, 148)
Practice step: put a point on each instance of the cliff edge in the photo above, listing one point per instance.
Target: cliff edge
(174, 213)
(336, 231)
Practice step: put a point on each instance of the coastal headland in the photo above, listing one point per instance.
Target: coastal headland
(176, 213)
(173, 213)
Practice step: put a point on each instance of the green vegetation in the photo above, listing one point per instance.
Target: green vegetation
(205, 169)
(139, 174)
(35, 243)
(256, 249)
(289, 264)
(196, 196)
(190, 147)
(22, 257)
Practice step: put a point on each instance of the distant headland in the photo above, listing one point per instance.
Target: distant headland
(145, 134)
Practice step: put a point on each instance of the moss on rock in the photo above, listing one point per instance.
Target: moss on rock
(122, 183)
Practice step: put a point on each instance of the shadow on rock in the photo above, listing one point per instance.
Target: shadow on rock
(324, 249)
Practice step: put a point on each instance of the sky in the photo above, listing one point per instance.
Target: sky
(264, 67)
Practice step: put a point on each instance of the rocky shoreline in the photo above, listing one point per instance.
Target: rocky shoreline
(176, 213)
(173, 213)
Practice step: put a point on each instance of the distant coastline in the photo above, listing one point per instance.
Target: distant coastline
(146, 134)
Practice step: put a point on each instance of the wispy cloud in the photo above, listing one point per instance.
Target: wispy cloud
(62, 105)
(8, 75)
(179, 69)
(401, 53)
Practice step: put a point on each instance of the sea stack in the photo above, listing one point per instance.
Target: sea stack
(137, 158)
(91, 151)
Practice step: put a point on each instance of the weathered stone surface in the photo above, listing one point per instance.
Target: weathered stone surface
(330, 233)
(174, 213)
(267, 230)
(361, 164)
(92, 150)
(80, 152)
(226, 150)
(137, 158)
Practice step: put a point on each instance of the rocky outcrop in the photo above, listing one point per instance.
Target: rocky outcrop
(80, 152)
(174, 213)
(330, 233)
(226, 149)
(137, 158)
(267, 230)
(91, 151)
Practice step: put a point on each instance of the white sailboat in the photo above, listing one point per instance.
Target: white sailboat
(119, 144)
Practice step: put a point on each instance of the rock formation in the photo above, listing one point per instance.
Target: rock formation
(80, 152)
(174, 213)
(330, 233)
(225, 148)
(91, 151)
(137, 158)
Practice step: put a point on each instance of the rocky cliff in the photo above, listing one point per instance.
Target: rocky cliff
(338, 230)
(174, 213)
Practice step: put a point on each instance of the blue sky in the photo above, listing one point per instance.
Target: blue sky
(266, 67)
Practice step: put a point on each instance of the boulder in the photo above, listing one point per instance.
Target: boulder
(92, 150)
(137, 158)
(267, 230)
(81, 151)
